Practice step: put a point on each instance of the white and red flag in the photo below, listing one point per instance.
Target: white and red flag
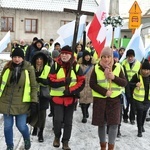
(97, 30)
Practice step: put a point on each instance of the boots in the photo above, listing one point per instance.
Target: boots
(143, 130)
(56, 142)
(111, 146)
(119, 133)
(40, 135)
(87, 112)
(83, 108)
(139, 132)
(103, 145)
(34, 132)
(65, 145)
(27, 144)
(9, 148)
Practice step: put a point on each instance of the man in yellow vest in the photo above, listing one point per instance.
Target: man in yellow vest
(66, 81)
(131, 66)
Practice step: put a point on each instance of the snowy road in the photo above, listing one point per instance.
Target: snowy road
(84, 136)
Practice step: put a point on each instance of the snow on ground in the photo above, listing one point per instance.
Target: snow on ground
(5, 55)
(84, 136)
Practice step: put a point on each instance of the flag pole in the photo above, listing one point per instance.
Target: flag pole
(112, 44)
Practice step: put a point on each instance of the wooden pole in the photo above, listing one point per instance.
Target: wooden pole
(112, 44)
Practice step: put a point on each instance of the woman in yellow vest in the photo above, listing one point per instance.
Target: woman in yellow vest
(106, 81)
(141, 94)
(66, 81)
(18, 94)
(42, 70)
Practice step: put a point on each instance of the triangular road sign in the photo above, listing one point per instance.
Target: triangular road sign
(135, 8)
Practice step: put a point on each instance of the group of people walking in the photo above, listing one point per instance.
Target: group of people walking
(28, 83)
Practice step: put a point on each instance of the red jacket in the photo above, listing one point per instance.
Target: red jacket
(56, 83)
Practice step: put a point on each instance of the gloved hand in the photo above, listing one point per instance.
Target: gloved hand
(68, 80)
(43, 81)
(34, 108)
(66, 92)
(39, 80)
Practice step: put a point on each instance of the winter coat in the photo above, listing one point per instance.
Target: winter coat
(86, 93)
(43, 102)
(106, 110)
(57, 83)
(11, 99)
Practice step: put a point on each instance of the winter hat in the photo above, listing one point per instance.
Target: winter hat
(39, 54)
(66, 49)
(115, 54)
(145, 65)
(106, 51)
(80, 54)
(130, 52)
(86, 53)
(17, 52)
(55, 53)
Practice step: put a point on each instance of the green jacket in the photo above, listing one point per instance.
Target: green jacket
(11, 99)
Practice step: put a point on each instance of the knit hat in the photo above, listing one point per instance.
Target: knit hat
(66, 49)
(55, 53)
(145, 65)
(86, 53)
(17, 52)
(115, 54)
(130, 52)
(106, 51)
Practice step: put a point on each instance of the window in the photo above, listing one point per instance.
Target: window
(63, 22)
(31, 25)
(7, 24)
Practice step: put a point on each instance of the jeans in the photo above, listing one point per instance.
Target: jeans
(20, 124)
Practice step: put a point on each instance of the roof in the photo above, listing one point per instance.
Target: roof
(49, 5)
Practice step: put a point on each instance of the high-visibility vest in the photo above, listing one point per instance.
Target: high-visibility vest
(139, 94)
(131, 71)
(103, 82)
(60, 75)
(45, 73)
(27, 88)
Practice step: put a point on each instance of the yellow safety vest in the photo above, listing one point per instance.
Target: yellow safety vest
(103, 82)
(45, 73)
(140, 94)
(60, 75)
(131, 71)
(27, 88)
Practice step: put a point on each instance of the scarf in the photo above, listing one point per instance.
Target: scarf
(16, 73)
(107, 68)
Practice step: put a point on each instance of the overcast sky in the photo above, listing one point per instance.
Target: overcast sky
(125, 5)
